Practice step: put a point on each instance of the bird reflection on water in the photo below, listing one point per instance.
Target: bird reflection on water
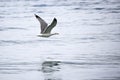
(50, 70)
(50, 66)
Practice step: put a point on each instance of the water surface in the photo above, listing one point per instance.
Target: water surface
(87, 47)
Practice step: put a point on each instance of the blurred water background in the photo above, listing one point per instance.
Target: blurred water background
(87, 47)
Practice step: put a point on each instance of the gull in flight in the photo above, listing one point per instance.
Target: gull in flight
(45, 28)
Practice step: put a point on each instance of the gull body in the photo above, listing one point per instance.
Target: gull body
(45, 28)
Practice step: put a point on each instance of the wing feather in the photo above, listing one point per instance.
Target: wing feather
(43, 24)
(51, 26)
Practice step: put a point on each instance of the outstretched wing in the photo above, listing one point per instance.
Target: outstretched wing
(42, 23)
(51, 26)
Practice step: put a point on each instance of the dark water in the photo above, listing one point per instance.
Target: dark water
(87, 47)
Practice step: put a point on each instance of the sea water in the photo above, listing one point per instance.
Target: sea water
(87, 47)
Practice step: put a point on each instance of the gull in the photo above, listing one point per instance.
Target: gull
(45, 28)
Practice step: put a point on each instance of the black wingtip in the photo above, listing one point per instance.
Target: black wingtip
(36, 16)
(55, 19)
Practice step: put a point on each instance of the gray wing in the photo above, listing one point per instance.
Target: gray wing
(51, 26)
(42, 23)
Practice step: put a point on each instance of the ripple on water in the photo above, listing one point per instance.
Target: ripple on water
(17, 67)
(20, 42)
(42, 5)
(11, 28)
